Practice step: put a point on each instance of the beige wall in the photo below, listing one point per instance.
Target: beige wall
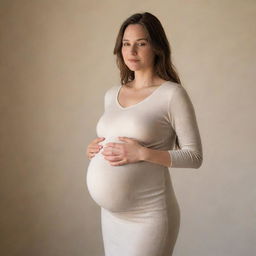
(56, 62)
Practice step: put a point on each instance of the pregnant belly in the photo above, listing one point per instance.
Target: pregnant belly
(124, 187)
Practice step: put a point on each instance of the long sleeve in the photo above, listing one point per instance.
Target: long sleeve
(183, 120)
(106, 100)
(108, 96)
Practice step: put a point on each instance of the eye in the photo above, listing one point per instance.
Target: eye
(140, 44)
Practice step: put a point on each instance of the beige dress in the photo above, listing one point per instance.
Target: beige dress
(139, 212)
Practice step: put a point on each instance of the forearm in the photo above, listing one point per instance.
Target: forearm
(155, 156)
(172, 158)
(186, 158)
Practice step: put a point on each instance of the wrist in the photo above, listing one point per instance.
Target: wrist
(143, 153)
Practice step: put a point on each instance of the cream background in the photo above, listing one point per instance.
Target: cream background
(57, 62)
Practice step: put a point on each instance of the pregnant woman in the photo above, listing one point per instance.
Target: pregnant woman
(148, 127)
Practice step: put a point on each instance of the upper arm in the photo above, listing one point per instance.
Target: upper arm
(183, 120)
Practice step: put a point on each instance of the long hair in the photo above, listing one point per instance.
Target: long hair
(163, 65)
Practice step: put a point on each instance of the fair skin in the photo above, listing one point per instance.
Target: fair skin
(135, 46)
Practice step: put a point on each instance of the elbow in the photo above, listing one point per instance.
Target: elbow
(198, 160)
(186, 158)
(198, 165)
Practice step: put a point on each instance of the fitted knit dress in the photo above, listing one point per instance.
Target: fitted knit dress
(140, 215)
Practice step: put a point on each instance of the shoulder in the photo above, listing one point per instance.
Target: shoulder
(177, 96)
(173, 86)
(173, 89)
(110, 94)
(111, 91)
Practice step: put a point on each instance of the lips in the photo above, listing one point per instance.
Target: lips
(133, 60)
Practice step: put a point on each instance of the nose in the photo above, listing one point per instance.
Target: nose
(133, 50)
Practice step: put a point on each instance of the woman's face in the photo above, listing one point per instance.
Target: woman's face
(136, 49)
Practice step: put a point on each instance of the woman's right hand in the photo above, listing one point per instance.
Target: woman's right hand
(93, 148)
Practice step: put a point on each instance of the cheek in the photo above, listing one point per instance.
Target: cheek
(123, 51)
(150, 55)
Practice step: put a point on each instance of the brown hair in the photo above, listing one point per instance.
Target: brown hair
(164, 67)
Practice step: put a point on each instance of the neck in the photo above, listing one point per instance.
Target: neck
(144, 79)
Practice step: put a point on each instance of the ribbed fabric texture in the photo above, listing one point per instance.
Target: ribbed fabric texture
(183, 119)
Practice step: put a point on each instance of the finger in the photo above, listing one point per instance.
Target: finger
(110, 152)
(114, 145)
(95, 147)
(112, 158)
(128, 140)
(125, 139)
(98, 139)
(118, 163)
(95, 150)
(122, 138)
(110, 144)
(90, 156)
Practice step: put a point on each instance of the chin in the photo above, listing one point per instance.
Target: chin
(134, 68)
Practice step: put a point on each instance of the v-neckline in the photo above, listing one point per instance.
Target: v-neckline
(138, 103)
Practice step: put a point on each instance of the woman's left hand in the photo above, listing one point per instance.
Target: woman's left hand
(123, 153)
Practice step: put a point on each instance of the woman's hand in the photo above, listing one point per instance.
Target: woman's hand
(93, 148)
(123, 153)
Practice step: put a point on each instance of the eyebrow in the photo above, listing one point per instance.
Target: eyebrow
(137, 39)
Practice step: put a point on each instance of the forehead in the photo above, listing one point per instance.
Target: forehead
(134, 32)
